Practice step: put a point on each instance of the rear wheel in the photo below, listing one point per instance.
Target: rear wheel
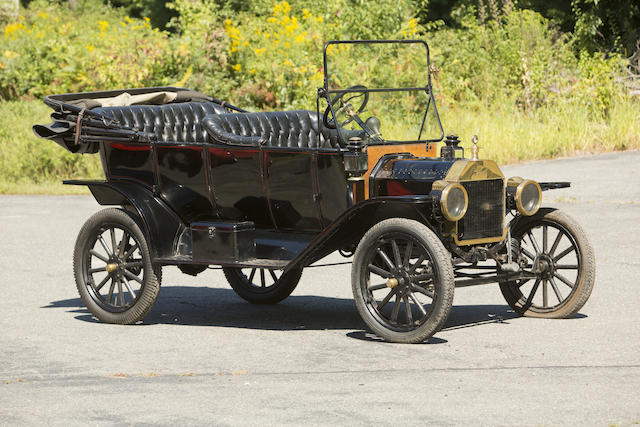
(261, 285)
(112, 266)
(553, 244)
(402, 281)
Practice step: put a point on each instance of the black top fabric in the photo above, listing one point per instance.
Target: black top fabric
(291, 129)
(170, 122)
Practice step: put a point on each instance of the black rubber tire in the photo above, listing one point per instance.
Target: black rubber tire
(585, 277)
(255, 294)
(152, 274)
(444, 284)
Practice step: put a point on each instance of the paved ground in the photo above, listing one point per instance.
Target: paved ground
(204, 356)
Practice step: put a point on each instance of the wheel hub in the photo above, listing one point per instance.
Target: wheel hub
(545, 265)
(111, 267)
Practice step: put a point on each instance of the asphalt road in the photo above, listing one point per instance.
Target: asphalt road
(204, 356)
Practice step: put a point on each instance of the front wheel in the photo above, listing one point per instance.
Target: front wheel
(557, 248)
(112, 266)
(402, 281)
(261, 285)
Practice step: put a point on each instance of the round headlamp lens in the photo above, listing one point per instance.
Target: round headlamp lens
(529, 197)
(454, 202)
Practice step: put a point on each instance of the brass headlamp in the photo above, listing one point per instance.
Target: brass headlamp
(525, 194)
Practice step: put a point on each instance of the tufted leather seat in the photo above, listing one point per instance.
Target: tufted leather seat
(179, 122)
(298, 129)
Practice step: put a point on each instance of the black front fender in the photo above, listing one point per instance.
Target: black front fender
(160, 224)
(349, 228)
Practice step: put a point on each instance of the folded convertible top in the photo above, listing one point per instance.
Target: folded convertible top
(79, 129)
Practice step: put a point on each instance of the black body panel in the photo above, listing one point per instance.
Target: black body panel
(332, 186)
(291, 189)
(183, 183)
(236, 180)
(130, 161)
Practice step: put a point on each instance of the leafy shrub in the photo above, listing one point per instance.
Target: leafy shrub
(51, 49)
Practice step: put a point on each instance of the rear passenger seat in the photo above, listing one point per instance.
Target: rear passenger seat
(170, 122)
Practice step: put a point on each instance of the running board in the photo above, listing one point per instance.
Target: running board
(272, 264)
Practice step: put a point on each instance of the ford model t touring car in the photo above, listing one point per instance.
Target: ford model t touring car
(199, 182)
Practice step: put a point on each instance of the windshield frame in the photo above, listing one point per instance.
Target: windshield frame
(325, 92)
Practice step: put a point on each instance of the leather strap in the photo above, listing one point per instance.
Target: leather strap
(79, 126)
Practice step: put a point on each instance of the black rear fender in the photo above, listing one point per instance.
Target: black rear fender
(160, 224)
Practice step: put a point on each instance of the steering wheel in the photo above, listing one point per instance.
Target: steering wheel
(341, 106)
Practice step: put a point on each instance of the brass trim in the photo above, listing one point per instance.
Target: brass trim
(494, 239)
(518, 197)
(477, 170)
(443, 201)
(392, 283)
(111, 268)
(473, 170)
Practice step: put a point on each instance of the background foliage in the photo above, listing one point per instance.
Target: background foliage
(534, 78)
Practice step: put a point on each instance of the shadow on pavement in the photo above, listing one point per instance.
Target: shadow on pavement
(203, 306)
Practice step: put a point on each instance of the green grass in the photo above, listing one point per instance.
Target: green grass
(510, 136)
(30, 165)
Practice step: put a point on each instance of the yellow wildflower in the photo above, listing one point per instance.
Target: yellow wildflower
(252, 71)
(287, 62)
(129, 20)
(237, 67)
(9, 54)
(412, 28)
(12, 28)
(146, 19)
(103, 25)
(90, 48)
(259, 51)
(292, 25)
(282, 8)
(43, 15)
(300, 37)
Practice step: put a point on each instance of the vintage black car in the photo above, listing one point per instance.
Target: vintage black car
(198, 182)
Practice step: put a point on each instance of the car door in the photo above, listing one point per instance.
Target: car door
(290, 182)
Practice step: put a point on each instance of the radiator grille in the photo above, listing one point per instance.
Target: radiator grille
(485, 215)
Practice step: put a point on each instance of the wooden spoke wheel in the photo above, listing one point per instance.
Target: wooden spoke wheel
(557, 249)
(114, 274)
(402, 281)
(262, 285)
